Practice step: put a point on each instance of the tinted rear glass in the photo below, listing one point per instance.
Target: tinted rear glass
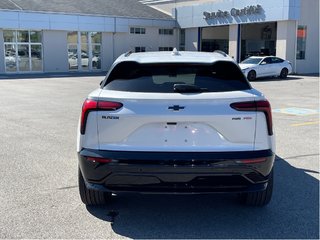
(217, 77)
(276, 60)
(252, 61)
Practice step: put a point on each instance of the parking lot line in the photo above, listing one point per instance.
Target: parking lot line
(304, 124)
(296, 111)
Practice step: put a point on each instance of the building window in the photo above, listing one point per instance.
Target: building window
(182, 39)
(165, 31)
(84, 56)
(23, 51)
(137, 30)
(301, 42)
(140, 49)
(73, 50)
(165, 48)
(84, 50)
(96, 40)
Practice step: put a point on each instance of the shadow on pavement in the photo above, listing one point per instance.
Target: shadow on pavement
(292, 213)
(268, 79)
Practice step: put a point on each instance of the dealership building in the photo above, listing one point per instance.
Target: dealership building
(41, 36)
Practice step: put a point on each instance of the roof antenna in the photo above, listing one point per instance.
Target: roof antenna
(175, 52)
(220, 52)
(127, 54)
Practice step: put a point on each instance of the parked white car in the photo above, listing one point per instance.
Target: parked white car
(176, 122)
(73, 61)
(10, 61)
(256, 67)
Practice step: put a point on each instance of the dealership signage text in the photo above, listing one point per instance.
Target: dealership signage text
(233, 12)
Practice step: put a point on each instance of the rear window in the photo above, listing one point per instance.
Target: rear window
(217, 77)
(276, 60)
(252, 61)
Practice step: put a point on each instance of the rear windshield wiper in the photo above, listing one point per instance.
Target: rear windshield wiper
(188, 88)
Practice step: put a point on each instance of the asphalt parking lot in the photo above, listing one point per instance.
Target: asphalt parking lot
(39, 189)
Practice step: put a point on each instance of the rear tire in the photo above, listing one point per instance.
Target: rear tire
(261, 198)
(252, 75)
(284, 73)
(91, 197)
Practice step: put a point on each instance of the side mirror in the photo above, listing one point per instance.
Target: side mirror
(263, 63)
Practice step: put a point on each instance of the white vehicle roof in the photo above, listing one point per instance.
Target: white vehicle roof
(174, 57)
(258, 56)
(262, 56)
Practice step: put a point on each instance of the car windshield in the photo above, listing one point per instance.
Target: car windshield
(252, 61)
(176, 77)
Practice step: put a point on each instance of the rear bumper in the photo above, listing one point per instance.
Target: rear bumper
(177, 172)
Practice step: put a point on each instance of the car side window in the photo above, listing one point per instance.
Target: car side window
(266, 61)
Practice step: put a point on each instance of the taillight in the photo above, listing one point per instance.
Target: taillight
(109, 106)
(94, 105)
(256, 106)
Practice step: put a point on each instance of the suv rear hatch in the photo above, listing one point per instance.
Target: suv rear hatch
(176, 107)
(153, 122)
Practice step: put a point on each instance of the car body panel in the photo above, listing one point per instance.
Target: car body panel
(204, 124)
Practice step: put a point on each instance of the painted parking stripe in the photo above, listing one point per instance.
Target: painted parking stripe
(305, 124)
(296, 111)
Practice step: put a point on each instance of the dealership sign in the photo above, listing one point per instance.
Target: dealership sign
(250, 10)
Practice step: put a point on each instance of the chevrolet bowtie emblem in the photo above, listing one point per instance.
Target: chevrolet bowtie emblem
(175, 108)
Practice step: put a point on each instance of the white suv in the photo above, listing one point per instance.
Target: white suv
(176, 122)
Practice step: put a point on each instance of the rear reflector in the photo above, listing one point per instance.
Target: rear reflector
(256, 106)
(99, 160)
(94, 105)
(250, 161)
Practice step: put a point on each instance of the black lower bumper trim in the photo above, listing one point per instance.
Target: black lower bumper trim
(177, 188)
(178, 172)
